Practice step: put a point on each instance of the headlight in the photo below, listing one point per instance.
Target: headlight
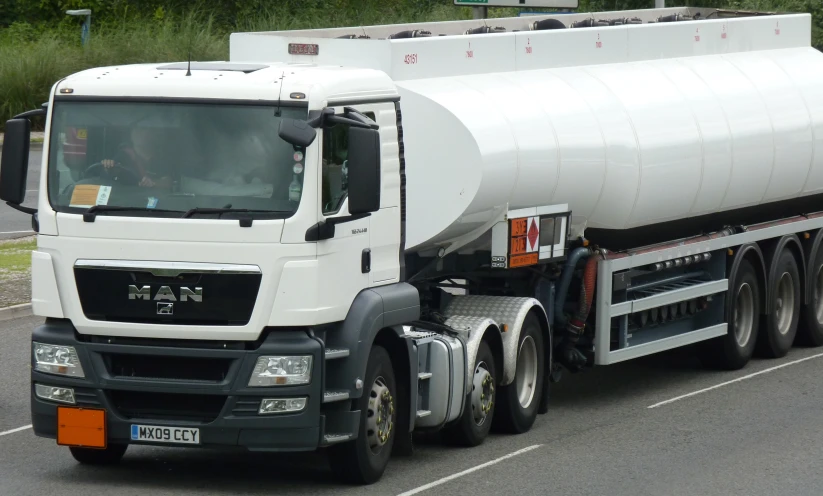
(281, 371)
(55, 359)
(58, 394)
(281, 405)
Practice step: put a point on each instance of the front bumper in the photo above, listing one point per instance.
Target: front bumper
(141, 382)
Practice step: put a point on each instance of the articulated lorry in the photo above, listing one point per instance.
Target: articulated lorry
(342, 237)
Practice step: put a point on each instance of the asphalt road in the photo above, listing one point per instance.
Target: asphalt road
(758, 436)
(14, 224)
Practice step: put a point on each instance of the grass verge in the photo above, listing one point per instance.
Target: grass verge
(15, 271)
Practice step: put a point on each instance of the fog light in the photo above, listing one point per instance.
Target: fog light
(51, 393)
(281, 405)
(281, 371)
(55, 359)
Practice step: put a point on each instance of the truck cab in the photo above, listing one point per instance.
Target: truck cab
(191, 261)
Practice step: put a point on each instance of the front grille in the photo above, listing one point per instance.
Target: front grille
(179, 368)
(87, 398)
(138, 296)
(246, 407)
(167, 406)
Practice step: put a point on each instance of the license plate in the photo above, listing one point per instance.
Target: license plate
(161, 434)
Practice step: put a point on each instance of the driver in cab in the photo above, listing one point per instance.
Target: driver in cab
(142, 157)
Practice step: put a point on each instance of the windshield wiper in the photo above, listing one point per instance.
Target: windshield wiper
(90, 214)
(244, 222)
(205, 210)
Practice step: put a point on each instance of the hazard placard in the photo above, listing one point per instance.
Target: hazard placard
(524, 241)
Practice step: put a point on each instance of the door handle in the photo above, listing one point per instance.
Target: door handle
(365, 261)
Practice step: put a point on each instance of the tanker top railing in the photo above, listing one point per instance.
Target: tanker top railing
(450, 48)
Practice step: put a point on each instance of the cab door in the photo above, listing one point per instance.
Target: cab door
(364, 252)
(340, 256)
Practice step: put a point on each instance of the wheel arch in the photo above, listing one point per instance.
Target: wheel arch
(509, 314)
(376, 316)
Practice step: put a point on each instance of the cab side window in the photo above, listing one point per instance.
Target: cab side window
(335, 153)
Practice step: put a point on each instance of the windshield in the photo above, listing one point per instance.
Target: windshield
(163, 158)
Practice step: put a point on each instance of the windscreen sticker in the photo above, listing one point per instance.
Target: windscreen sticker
(152, 202)
(88, 195)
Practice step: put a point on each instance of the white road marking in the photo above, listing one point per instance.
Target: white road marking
(5, 433)
(16, 232)
(764, 371)
(466, 472)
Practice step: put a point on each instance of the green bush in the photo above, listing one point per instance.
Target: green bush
(31, 61)
(39, 44)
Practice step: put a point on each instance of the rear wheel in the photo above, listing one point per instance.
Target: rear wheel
(364, 460)
(734, 350)
(110, 455)
(520, 400)
(473, 425)
(810, 329)
(784, 308)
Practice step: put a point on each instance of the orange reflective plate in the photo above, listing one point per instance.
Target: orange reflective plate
(81, 427)
(523, 260)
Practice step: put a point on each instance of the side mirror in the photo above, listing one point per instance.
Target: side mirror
(296, 132)
(15, 161)
(364, 170)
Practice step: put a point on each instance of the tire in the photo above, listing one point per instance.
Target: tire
(364, 460)
(810, 329)
(111, 455)
(519, 402)
(780, 325)
(743, 299)
(467, 430)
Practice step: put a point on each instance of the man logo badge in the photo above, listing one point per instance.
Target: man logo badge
(165, 308)
(165, 293)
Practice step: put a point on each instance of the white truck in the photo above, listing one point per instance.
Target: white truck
(344, 236)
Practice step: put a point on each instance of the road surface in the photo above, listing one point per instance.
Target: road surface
(762, 435)
(14, 224)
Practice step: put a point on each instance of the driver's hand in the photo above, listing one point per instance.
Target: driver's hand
(107, 163)
(146, 182)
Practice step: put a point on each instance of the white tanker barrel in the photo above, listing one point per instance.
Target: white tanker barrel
(627, 146)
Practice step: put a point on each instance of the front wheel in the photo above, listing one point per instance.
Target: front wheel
(110, 455)
(364, 460)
